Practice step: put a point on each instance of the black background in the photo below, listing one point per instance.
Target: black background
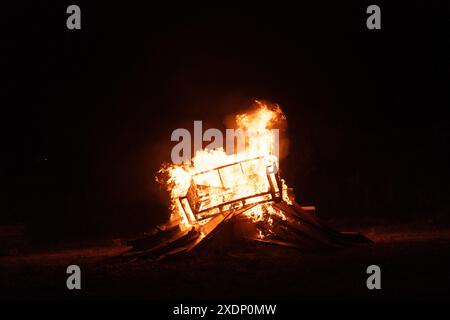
(87, 114)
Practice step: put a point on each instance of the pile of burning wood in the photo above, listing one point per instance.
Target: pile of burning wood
(245, 188)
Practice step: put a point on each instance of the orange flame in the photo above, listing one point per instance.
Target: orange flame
(260, 142)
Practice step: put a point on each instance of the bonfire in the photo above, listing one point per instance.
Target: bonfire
(243, 186)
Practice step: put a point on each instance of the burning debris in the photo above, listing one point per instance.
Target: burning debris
(244, 187)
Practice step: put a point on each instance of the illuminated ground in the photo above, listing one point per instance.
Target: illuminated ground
(414, 263)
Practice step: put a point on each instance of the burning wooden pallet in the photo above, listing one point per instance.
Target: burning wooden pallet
(243, 187)
(212, 200)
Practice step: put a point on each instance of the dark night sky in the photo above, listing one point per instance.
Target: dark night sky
(366, 110)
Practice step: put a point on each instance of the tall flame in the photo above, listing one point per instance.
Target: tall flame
(260, 141)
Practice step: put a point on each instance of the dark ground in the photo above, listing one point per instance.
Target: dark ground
(413, 260)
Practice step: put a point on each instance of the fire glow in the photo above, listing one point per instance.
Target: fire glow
(225, 182)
